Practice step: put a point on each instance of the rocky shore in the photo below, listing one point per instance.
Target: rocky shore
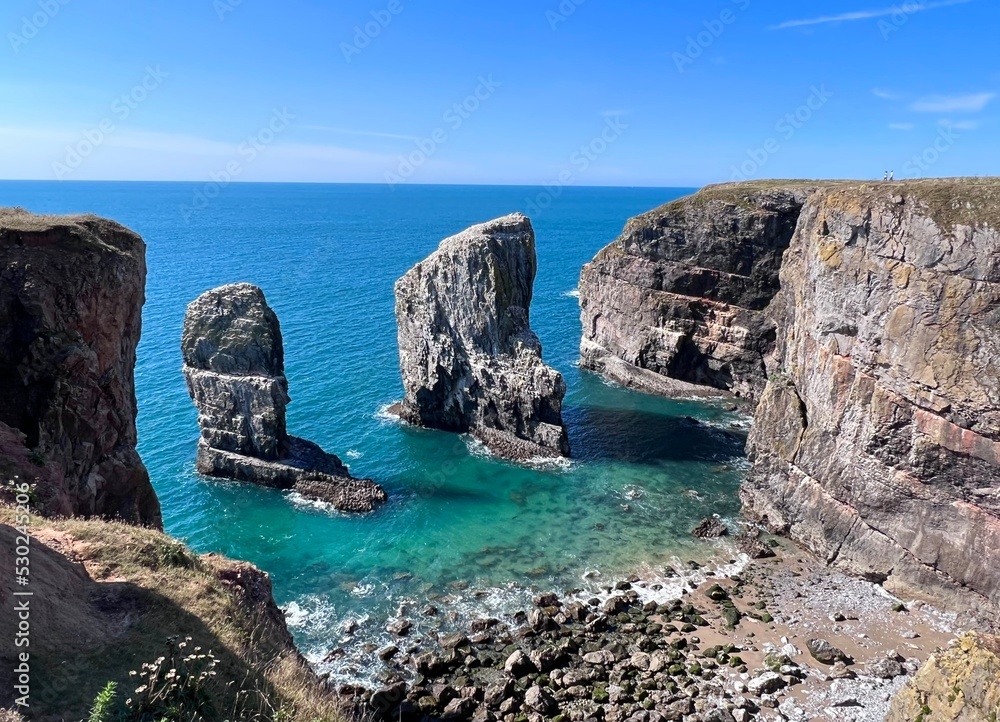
(783, 638)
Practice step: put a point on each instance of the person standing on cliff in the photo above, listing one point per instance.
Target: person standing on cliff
(892, 176)
(885, 176)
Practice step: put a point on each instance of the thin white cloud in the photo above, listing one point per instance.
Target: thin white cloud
(969, 103)
(900, 126)
(960, 125)
(884, 94)
(369, 133)
(907, 8)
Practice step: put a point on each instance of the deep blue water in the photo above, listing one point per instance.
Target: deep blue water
(461, 525)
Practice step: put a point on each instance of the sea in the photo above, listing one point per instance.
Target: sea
(465, 532)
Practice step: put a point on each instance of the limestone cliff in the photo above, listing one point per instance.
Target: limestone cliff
(873, 354)
(235, 372)
(71, 296)
(877, 440)
(679, 298)
(469, 359)
(961, 684)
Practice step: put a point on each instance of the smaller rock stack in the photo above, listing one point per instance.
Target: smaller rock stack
(235, 372)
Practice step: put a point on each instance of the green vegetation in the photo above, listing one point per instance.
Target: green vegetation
(155, 633)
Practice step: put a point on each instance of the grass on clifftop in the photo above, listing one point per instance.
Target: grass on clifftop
(145, 596)
(949, 201)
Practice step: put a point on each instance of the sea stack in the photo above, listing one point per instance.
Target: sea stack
(235, 372)
(469, 359)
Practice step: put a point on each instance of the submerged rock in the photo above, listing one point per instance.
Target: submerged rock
(234, 368)
(469, 359)
(710, 528)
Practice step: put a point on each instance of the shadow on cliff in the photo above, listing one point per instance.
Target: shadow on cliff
(640, 437)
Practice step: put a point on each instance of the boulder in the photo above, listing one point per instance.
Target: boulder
(961, 684)
(234, 369)
(469, 360)
(710, 528)
(824, 652)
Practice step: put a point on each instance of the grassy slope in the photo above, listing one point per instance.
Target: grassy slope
(108, 596)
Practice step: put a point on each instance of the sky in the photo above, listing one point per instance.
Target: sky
(584, 92)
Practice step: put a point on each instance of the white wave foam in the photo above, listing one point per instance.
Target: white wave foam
(353, 454)
(572, 293)
(304, 502)
(384, 416)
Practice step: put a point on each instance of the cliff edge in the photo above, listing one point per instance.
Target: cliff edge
(71, 296)
(876, 442)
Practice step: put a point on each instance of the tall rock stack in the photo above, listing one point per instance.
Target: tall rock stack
(71, 295)
(235, 372)
(469, 359)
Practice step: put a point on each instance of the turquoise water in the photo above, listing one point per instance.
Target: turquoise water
(461, 528)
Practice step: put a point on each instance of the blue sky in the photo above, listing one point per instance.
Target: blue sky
(588, 92)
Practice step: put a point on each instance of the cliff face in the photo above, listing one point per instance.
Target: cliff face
(961, 684)
(71, 295)
(877, 441)
(679, 298)
(235, 372)
(469, 359)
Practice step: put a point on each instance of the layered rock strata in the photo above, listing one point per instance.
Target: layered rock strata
(876, 442)
(469, 359)
(71, 296)
(234, 369)
(872, 354)
(676, 304)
